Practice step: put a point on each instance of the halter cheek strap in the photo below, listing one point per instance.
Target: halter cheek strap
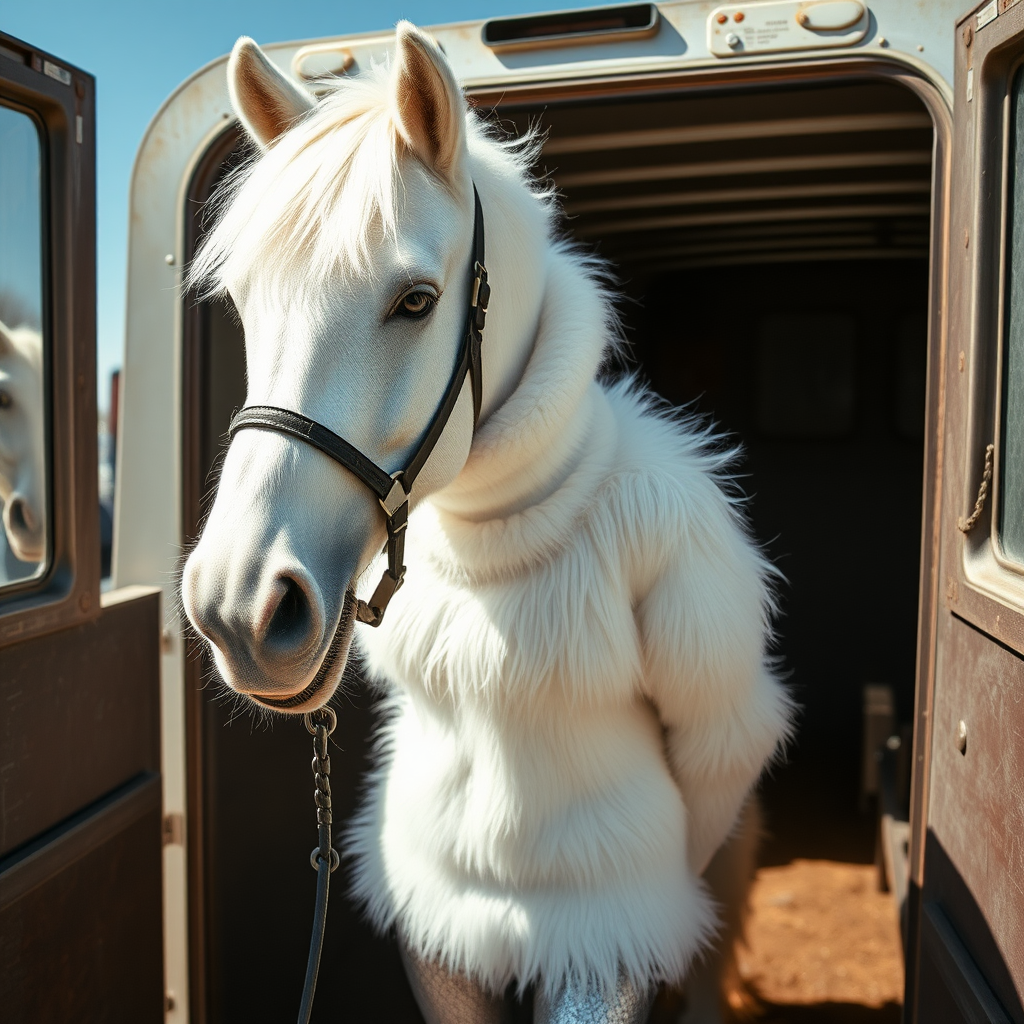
(393, 489)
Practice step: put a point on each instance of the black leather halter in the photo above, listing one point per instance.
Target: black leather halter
(393, 489)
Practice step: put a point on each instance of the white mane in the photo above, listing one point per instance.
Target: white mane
(330, 187)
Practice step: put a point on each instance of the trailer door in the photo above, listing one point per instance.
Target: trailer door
(965, 956)
(80, 800)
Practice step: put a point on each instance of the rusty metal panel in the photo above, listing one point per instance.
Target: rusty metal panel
(975, 855)
(968, 867)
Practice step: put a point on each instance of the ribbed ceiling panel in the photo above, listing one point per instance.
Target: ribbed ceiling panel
(828, 172)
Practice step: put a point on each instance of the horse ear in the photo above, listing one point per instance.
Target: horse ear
(265, 100)
(429, 107)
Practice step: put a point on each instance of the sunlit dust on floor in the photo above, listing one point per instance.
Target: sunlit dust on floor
(822, 944)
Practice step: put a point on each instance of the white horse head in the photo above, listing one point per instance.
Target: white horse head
(22, 442)
(345, 247)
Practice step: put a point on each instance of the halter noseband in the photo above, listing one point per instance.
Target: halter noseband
(393, 489)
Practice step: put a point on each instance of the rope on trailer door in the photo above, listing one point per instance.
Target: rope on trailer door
(966, 525)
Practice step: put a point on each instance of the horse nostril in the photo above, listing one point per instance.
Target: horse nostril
(292, 623)
(291, 614)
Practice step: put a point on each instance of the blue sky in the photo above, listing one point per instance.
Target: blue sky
(140, 51)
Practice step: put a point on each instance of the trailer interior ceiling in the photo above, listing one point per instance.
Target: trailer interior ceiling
(773, 247)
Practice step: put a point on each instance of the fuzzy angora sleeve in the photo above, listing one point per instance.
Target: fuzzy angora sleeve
(704, 624)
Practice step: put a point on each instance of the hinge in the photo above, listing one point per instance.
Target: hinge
(174, 829)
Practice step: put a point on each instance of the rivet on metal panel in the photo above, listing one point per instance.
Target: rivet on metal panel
(169, 259)
(165, 640)
(920, 48)
(84, 601)
(968, 35)
(961, 736)
(722, 19)
(882, 41)
(738, 16)
(967, 237)
(962, 361)
(169, 1002)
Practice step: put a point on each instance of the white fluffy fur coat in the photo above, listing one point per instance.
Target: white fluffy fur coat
(578, 694)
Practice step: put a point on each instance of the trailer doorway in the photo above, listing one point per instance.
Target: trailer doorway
(773, 247)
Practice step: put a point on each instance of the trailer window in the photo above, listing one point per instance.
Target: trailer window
(1011, 478)
(24, 532)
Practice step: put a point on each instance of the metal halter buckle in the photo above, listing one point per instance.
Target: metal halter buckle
(481, 295)
(396, 497)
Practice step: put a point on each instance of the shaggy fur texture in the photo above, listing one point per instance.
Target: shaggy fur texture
(578, 695)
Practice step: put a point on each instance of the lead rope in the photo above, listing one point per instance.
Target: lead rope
(324, 858)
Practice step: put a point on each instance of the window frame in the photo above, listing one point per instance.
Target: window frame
(1004, 560)
(31, 583)
(63, 109)
(985, 587)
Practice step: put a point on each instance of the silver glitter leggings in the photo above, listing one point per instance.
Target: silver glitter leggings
(445, 998)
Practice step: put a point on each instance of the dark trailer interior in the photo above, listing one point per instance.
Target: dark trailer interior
(773, 247)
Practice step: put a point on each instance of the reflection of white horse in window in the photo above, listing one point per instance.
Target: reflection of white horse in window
(22, 453)
(579, 699)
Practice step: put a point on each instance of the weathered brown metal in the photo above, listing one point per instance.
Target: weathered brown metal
(967, 855)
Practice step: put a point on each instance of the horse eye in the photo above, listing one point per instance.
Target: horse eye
(415, 305)
(5, 400)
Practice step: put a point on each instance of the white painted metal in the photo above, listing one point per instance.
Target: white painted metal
(148, 500)
(791, 25)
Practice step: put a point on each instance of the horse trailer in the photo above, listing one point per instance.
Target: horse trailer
(810, 209)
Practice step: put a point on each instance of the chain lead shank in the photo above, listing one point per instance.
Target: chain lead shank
(324, 857)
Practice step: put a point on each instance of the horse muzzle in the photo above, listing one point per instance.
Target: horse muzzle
(325, 682)
(273, 636)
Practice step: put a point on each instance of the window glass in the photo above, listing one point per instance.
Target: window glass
(24, 538)
(1011, 478)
